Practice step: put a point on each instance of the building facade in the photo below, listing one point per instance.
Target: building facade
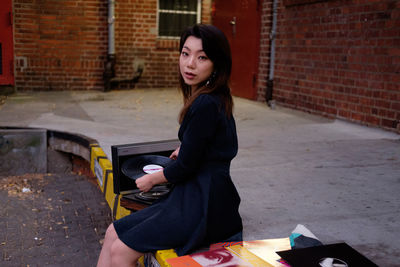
(336, 58)
(340, 59)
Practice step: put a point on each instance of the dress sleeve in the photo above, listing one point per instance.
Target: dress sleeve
(201, 125)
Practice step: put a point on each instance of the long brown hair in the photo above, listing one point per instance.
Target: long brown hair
(216, 47)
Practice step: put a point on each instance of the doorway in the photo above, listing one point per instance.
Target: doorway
(240, 21)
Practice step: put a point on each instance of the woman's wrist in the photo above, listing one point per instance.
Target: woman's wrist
(158, 178)
(148, 181)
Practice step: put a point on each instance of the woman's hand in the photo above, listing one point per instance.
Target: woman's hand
(146, 182)
(175, 154)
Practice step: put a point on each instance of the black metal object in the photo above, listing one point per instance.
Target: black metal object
(109, 71)
(268, 93)
(121, 153)
(109, 74)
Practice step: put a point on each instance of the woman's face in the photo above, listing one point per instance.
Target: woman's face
(194, 64)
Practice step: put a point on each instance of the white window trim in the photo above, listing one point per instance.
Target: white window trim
(177, 11)
(198, 20)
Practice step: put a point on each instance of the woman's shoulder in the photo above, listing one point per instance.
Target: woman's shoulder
(206, 101)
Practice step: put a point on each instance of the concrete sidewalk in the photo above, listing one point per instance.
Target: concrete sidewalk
(341, 180)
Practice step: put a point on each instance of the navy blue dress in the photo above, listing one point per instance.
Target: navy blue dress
(203, 207)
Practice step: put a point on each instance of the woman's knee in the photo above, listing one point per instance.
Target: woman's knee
(111, 234)
(122, 255)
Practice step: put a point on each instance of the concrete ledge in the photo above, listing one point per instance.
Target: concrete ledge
(23, 151)
(76, 144)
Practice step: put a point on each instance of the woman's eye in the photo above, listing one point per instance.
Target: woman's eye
(184, 53)
(203, 58)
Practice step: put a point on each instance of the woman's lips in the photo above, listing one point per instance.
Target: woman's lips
(189, 75)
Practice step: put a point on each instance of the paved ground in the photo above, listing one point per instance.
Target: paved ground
(59, 222)
(339, 179)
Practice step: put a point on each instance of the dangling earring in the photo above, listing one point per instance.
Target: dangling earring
(211, 79)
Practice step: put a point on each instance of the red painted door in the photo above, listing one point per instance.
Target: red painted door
(6, 44)
(240, 21)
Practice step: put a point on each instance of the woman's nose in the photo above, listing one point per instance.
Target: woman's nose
(191, 62)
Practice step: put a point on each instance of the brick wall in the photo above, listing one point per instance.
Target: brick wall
(340, 58)
(62, 45)
(59, 45)
(136, 43)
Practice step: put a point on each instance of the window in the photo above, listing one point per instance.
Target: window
(175, 15)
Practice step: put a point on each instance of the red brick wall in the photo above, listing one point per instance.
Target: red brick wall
(59, 45)
(136, 43)
(62, 45)
(340, 58)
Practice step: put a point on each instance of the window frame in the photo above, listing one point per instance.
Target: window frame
(197, 13)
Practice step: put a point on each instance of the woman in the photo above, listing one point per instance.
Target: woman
(203, 206)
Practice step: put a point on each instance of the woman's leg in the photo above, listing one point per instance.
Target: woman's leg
(115, 253)
(122, 255)
(105, 254)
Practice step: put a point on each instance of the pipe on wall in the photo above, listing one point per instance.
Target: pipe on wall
(111, 29)
(270, 82)
(109, 71)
